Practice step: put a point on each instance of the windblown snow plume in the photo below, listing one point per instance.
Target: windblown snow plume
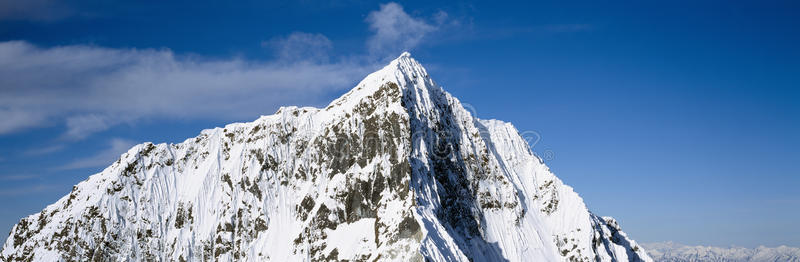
(394, 170)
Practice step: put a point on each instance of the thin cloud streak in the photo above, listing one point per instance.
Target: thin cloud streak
(116, 147)
(93, 88)
(44, 150)
(29, 190)
(89, 89)
(18, 177)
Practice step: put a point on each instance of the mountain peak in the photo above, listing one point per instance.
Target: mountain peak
(404, 71)
(406, 66)
(394, 170)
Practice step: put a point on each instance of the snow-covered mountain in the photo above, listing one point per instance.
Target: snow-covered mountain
(673, 252)
(394, 170)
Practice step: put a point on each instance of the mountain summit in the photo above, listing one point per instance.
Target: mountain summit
(394, 170)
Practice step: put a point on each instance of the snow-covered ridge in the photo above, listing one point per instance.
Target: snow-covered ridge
(394, 170)
(673, 252)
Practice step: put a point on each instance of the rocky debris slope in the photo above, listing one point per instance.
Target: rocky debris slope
(394, 170)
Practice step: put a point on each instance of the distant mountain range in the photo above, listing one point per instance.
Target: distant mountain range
(673, 252)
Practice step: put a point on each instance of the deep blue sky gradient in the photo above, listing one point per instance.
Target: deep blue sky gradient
(680, 119)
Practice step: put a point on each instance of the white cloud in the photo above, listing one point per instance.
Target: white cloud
(92, 88)
(89, 89)
(81, 126)
(116, 147)
(396, 31)
(16, 119)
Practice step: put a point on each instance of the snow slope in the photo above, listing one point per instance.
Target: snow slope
(673, 252)
(394, 170)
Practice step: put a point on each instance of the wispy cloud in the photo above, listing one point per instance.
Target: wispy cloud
(301, 46)
(89, 89)
(81, 126)
(18, 177)
(17, 119)
(92, 88)
(105, 157)
(44, 150)
(29, 190)
(395, 31)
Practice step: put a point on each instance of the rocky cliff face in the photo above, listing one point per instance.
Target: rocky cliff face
(396, 169)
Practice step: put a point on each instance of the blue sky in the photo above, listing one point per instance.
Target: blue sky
(680, 119)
